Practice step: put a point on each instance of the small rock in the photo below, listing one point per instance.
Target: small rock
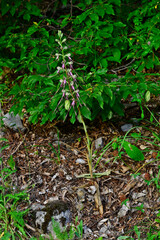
(87, 230)
(13, 122)
(92, 189)
(79, 206)
(1, 133)
(75, 152)
(81, 194)
(54, 176)
(80, 160)
(123, 211)
(51, 199)
(136, 195)
(103, 229)
(90, 198)
(99, 142)
(126, 127)
(68, 177)
(146, 205)
(42, 192)
(59, 210)
(102, 222)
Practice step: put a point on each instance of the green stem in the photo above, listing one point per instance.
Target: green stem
(89, 147)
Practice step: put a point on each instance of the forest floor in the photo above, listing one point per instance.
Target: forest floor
(44, 174)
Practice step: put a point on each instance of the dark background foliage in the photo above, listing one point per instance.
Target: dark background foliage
(113, 44)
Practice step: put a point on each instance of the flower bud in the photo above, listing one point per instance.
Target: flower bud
(73, 102)
(58, 68)
(63, 66)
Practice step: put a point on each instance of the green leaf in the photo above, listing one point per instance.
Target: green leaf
(73, 118)
(44, 32)
(82, 17)
(147, 96)
(60, 34)
(133, 152)
(110, 114)
(100, 11)
(136, 135)
(119, 24)
(86, 112)
(104, 63)
(79, 118)
(109, 92)
(4, 7)
(67, 104)
(107, 29)
(11, 163)
(26, 17)
(99, 98)
(64, 2)
(124, 237)
(116, 54)
(6, 236)
(94, 17)
(109, 9)
(32, 30)
(116, 2)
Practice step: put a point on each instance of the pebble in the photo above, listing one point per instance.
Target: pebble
(57, 209)
(136, 195)
(81, 194)
(80, 160)
(92, 189)
(99, 142)
(13, 122)
(126, 127)
(124, 209)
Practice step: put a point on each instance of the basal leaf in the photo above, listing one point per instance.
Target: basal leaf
(133, 152)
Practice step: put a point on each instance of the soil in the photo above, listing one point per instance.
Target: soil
(45, 174)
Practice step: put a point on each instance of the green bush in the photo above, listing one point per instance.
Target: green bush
(100, 37)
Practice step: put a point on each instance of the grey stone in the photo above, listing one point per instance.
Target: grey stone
(13, 122)
(81, 194)
(124, 209)
(136, 195)
(80, 160)
(92, 189)
(98, 143)
(58, 210)
(126, 127)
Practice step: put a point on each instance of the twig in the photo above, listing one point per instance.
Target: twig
(121, 68)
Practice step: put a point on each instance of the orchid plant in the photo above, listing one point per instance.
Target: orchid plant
(71, 101)
(70, 91)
